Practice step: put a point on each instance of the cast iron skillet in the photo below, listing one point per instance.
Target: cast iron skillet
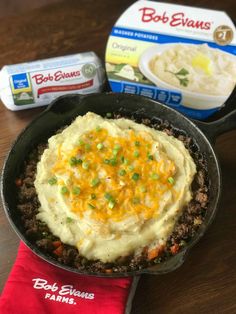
(64, 109)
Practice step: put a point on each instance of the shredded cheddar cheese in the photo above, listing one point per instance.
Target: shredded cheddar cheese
(115, 166)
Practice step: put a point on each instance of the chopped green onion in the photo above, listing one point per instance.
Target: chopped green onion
(149, 156)
(100, 146)
(136, 153)
(85, 165)
(113, 161)
(72, 161)
(171, 180)
(98, 128)
(131, 167)
(76, 190)
(122, 158)
(52, 180)
(126, 161)
(115, 151)
(81, 142)
(117, 147)
(155, 176)
(111, 204)
(122, 172)
(137, 143)
(95, 182)
(108, 114)
(108, 196)
(87, 146)
(135, 176)
(69, 219)
(136, 200)
(106, 161)
(143, 189)
(64, 190)
(93, 196)
(91, 206)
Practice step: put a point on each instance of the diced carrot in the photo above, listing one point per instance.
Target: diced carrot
(152, 253)
(56, 244)
(174, 248)
(59, 250)
(108, 271)
(18, 182)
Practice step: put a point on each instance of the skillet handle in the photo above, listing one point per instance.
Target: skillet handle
(220, 126)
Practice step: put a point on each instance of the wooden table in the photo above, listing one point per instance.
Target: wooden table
(206, 283)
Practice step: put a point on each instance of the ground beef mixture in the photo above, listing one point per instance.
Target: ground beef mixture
(185, 229)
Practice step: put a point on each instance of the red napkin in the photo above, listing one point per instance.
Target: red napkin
(35, 286)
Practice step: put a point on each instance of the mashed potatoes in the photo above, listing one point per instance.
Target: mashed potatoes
(196, 68)
(113, 187)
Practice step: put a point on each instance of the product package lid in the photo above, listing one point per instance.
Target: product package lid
(179, 55)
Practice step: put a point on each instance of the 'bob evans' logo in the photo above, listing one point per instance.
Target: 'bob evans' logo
(177, 19)
(65, 293)
(57, 76)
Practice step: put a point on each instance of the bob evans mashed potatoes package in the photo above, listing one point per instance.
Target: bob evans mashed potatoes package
(37, 83)
(181, 56)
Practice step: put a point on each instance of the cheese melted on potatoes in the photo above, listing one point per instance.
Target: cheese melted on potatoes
(112, 187)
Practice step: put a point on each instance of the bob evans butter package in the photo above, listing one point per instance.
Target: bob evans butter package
(181, 56)
(37, 83)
